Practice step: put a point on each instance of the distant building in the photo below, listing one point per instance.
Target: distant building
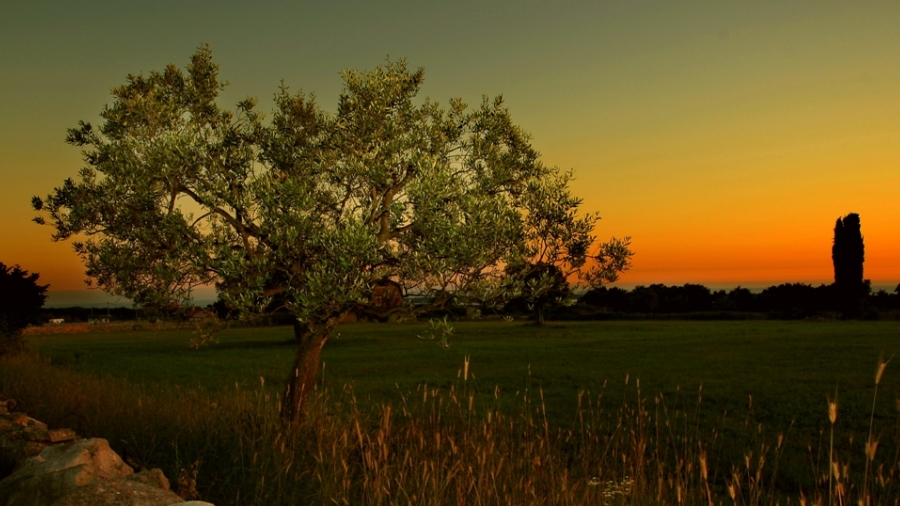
(418, 300)
(57, 320)
(102, 319)
(388, 294)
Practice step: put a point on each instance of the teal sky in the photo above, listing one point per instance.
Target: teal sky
(725, 138)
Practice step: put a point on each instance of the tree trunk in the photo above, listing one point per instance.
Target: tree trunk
(540, 314)
(302, 380)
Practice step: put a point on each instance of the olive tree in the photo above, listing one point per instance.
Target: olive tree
(304, 212)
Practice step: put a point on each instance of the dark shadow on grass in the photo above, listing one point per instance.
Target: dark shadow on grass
(333, 342)
(251, 345)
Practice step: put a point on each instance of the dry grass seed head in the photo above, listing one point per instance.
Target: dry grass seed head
(832, 409)
(871, 448)
(882, 365)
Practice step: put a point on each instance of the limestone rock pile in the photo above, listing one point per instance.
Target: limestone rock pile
(53, 467)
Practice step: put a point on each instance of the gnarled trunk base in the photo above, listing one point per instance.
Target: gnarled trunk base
(540, 322)
(302, 380)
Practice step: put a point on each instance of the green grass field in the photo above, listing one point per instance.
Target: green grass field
(788, 368)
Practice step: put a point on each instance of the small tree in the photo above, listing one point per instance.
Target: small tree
(540, 286)
(848, 255)
(560, 246)
(307, 213)
(21, 299)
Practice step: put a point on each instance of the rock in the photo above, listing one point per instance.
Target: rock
(23, 420)
(60, 435)
(22, 437)
(31, 449)
(95, 454)
(36, 434)
(120, 492)
(14, 448)
(41, 467)
(58, 470)
(152, 477)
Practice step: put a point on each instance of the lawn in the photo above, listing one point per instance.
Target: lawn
(759, 379)
(787, 367)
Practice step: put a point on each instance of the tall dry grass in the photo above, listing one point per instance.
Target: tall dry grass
(433, 446)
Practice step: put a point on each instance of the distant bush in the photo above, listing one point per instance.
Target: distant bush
(21, 298)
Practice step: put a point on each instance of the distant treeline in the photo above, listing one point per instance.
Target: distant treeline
(690, 301)
(794, 300)
(87, 314)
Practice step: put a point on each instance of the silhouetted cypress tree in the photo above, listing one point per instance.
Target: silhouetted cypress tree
(848, 255)
(848, 252)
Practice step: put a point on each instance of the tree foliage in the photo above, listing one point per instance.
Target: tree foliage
(539, 286)
(305, 212)
(559, 246)
(21, 299)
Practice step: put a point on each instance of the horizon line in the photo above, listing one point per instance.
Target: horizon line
(96, 298)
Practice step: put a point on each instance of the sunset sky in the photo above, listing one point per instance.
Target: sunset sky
(725, 138)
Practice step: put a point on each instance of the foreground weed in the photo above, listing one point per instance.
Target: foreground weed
(833, 468)
(872, 444)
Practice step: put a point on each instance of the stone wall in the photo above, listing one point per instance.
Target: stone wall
(54, 467)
